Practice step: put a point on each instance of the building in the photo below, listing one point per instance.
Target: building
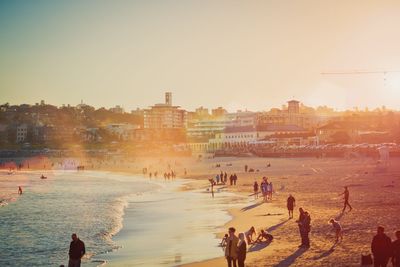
(165, 116)
(241, 119)
(22, 133)
(241, 137)
(342, 132)
(123, 131)
(117, 109)
(218, 112)
(291, 115)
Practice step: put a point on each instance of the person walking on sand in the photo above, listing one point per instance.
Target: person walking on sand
(231, 248)
(19, 190)
(290, 205)
(76, 251)
(396, 250)
(255, 188)
(241, 250)
(338, 229)
(346, 194)
(381, 247)
(234, 179)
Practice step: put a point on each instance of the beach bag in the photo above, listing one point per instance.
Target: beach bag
(366, 260)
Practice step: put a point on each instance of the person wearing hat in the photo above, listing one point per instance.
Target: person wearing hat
(231, 248)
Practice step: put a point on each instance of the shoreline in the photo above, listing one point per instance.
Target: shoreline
(316, 184)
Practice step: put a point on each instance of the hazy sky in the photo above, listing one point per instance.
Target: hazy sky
(236, 54)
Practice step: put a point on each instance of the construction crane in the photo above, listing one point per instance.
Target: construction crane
(362, 72)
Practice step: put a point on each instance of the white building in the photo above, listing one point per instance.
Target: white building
(234, 137)
(124, 131)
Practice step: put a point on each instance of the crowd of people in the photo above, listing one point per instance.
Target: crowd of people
(265, 187)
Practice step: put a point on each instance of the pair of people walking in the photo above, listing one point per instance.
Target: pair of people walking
(235, 250)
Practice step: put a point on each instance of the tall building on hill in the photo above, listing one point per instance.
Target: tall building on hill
(165, 115)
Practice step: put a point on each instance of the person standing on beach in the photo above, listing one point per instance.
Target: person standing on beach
(231, 179)
(76, 251)
(346, 194)
(241, 250)
(264, 189)
(255, 188)
(19, 190)
(290, 205)
(396, 250)
(306, 228)
(234, 179)
(217, 178)
(381, 247)
(231, 248)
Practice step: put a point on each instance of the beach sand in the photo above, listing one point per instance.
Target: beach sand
(316, 185)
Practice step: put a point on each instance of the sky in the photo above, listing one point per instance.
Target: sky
(251, 55)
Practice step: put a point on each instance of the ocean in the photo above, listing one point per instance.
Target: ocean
(124, 220)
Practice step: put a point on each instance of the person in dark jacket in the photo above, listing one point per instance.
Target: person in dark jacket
(381, 247)
(299, 223)
(242, 249)
(396, 250)
(290, 205)
(76, 251)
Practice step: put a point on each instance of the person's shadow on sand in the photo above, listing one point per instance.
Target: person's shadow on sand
(259, 246)
(276, 226)
(252, 206)
(326, 253)
(292, 258)
(339, 216)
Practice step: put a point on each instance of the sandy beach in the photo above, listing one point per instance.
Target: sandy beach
(316, 185)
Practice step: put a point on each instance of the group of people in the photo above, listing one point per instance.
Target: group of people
(383, 249)
(265, 187)
(236, 247)
(222, 178)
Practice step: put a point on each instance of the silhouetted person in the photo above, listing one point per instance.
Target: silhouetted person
(396, 250)
(301, 218)
(306, 224)
(234, 179)
(381, 248)
(242, 248)
(19, 190)
(231, 248)
(346, 194)
(76, 251)
(245, 168)
(290, 205)
(255, 188)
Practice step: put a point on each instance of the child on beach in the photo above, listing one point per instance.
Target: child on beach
(224, 241)
(264, 235)
(338, 229)
(249, 234)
